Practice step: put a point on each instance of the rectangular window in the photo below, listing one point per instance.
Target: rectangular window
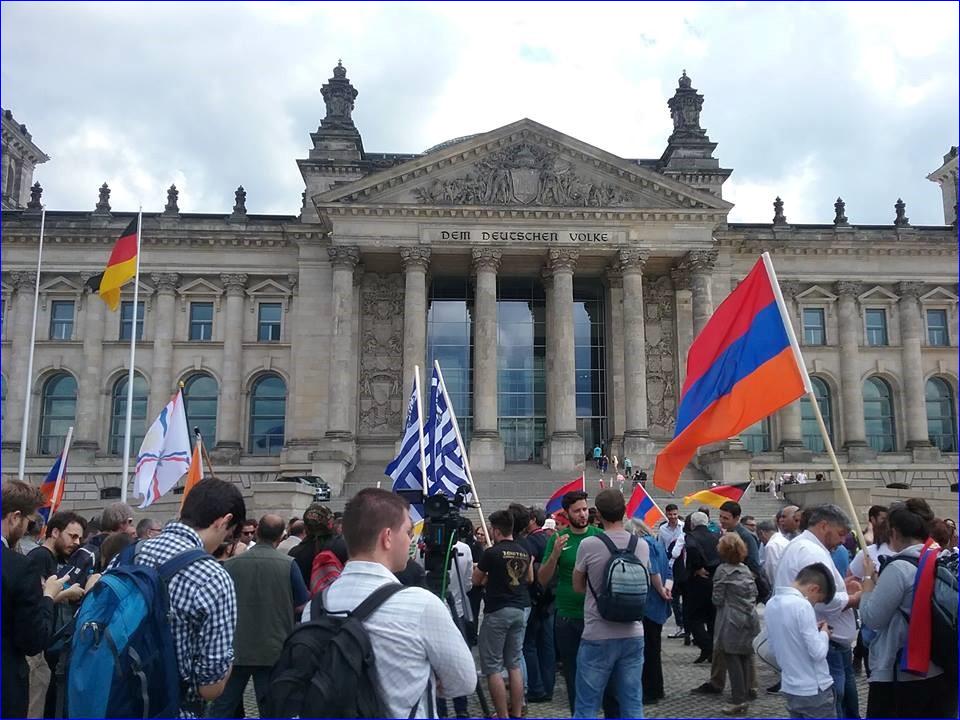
(876, 326)
(61, 320)
(937, 328)
(269, 322)
(201, 321)
(126, 320)
(814, 327)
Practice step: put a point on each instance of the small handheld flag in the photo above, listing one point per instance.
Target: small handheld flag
(556, 500)
(642, 507)
(121, 267)
(717, 496)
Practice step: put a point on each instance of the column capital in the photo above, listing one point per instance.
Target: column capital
(412, 258)
(563, 260)
(700, 261)
(912, 290)
(23, 281)
(633, 260)
(848, 288)
(344, 256)
(165, 282)
(486, 259)
(614, 276)
(790, 289)
(680, 274)
(234, 283)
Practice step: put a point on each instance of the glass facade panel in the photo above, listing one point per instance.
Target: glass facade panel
(126, 320)
(756, 438)
(589, 332)
(450, 342)
(58, 412)
(814, 327)
(268, 409)
(118, 415)
(201, 321)
(268, 325)
(941, 416)
(200, 402)
(878, 415)
(61, 320)
(876, 326)
(937, 328)
(812, 438)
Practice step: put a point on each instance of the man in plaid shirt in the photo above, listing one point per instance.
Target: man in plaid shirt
(203, 601)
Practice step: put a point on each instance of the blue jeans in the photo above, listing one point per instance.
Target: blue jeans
(603, 661)
(840, 663)
(540, 654)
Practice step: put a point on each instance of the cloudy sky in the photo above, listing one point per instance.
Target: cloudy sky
(806, 101)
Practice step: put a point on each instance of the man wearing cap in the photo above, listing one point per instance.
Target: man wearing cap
(318, 521)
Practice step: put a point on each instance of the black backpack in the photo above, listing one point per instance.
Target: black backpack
(626, 580)
(326, 666)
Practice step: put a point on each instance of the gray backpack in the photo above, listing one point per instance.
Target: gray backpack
(626, 580)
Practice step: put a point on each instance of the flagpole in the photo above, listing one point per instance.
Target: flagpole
(133, 352)
(423, 459)
(203, 451)
(55, 500)
(808, 387)
(33, 340)
(466, 460)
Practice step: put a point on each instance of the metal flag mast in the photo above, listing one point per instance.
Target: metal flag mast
(420, 437)
(130, 375)
(33, 340)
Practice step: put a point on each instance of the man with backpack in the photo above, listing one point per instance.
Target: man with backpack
(613, 569)
(270, 594)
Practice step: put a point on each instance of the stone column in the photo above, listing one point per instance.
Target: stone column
(636, 437)
(161, 381)
(415, 261)
(700, 264)
(90, 398)
(19, 334)
(546, 276)
(851, 389)
(914, 387)
(229, 432)
(340, 424)
(684, 309)
(616, 394)
(486, 448)
(566, 446)
(789, 419)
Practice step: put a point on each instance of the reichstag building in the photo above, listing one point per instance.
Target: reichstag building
(559, 286)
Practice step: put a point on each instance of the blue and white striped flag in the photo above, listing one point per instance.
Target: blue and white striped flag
(446, 468)
(406, 468)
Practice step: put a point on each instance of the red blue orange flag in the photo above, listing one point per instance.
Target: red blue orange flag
(556, 500)
(743, 366)
(642, 507)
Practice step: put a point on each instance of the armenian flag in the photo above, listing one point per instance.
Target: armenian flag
(642, 507)
(556, 500)
(717, 496)
(743, 366)
(121, 267)
(51, 489)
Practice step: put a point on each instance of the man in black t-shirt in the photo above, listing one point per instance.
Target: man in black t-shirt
(507, 570)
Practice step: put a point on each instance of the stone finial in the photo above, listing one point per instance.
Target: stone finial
(338, 95)
(35, 193)
(685, 107)
(778, 217)
(344, 256)
(563, 259)
(240, 204)
(840, 207)
(172, 208)
(633, 260)
(415, 257)
(103, 204)
(900, 207)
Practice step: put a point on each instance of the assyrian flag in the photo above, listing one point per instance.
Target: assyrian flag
(121, 268)
(164, 456)
(446, 469)
(52, 487)
(406, 469)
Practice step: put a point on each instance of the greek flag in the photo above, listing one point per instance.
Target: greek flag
(446, 468)
(405, 469)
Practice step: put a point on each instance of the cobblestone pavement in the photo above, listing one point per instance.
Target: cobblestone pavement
(680, 675)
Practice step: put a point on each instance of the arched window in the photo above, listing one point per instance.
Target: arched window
(756, 438)
(268, 409)
(878, 415)
(118, 415)
(58, 411)
(941, 418)
(200, 402)
(812, 438)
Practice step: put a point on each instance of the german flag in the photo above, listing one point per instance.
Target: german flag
(121, 268)
(717, 496)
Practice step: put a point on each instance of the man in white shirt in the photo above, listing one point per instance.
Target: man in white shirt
(671, 529)
(787, 519)
(827, 526)
(413, 636)
(800, 643)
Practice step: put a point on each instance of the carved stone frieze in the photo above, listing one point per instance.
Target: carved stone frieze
(565, 259)
(633, 259)
(344, 256)
(487, 259)
(910, 290)
(165, 282)
(849, 288)
(415, 257)
(234, 283)
(701, 261)
(660, 332)
(23, 281)
(524, 174)
(381, 353)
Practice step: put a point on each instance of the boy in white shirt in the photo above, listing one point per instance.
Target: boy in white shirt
(800, 643)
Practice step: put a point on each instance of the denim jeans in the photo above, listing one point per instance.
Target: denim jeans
(840, 663)
(603, 661)
(540, 654)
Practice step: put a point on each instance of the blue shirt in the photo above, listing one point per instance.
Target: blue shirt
(657, 609)
(841, 558)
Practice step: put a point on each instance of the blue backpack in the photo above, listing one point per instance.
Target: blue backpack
(122, 659)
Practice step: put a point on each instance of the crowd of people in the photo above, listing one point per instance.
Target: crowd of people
(587, 598)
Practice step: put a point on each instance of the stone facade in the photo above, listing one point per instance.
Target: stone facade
(317, 320)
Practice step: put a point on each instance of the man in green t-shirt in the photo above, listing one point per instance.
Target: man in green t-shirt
(559, 557)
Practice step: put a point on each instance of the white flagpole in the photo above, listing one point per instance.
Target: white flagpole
(133, 353)
(33, 341)
(62, 469)
(466, 460)
(808, 387)
(420, 438)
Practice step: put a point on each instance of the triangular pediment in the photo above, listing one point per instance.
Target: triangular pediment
(939, 295)
(268, 287)
(200, 286)
(816, 294)
(60, 284)
(878, 294)
(522, 165)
